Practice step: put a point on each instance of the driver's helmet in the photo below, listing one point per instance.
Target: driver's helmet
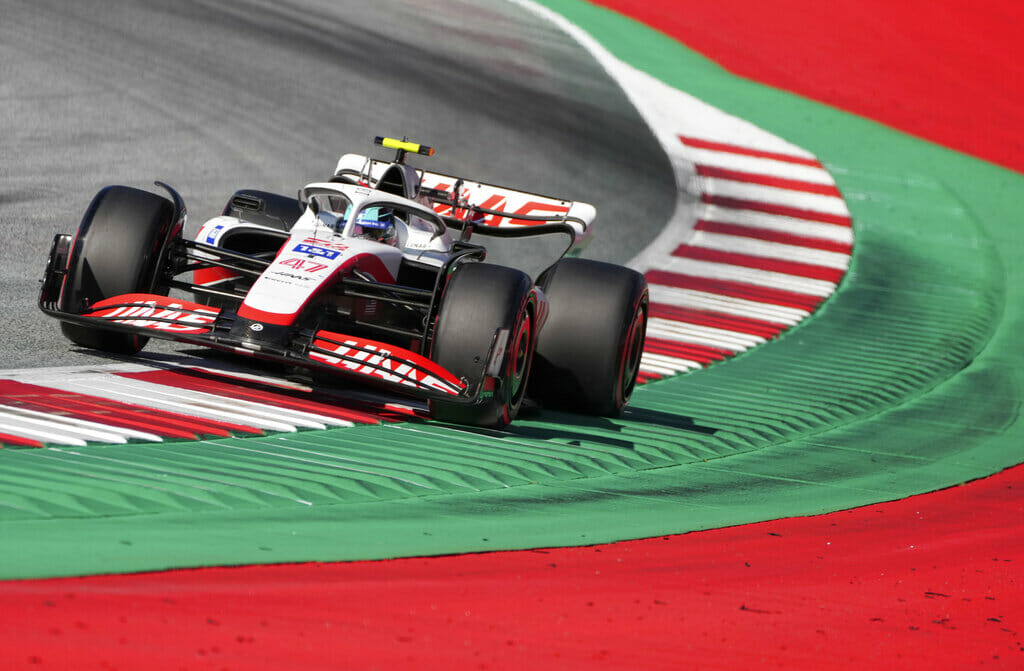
(376, 223)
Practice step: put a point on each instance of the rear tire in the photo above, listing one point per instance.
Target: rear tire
(588, 354)
(480, 300)
(116, 251)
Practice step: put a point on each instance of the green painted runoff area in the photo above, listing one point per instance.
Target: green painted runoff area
(907, 380)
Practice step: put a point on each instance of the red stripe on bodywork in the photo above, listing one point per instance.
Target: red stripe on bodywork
(733, 289)
(794, 268)
(768, 180)
(207, 276)
(362, 352)
(773, 208)
(716, 320)
(774, 236)
(697, 143)
(136, 309)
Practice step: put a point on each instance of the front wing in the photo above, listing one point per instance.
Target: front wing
(354, 357)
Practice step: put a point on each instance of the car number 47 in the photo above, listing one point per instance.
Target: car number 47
(303, 264)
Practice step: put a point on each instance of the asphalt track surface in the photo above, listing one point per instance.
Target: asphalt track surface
(211, 97)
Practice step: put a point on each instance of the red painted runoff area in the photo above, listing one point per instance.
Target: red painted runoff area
(946, 71)
(930, 582)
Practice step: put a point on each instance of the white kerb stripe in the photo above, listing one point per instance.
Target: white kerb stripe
(771, 250)
(705, 335)
(250, 409)
(666, 365)
(711, 302)
(86, 432)
(762, 278)
(180, 401)
(40, 435)
(777, 222)
(84, 424)
(760, 166)
(772, 195)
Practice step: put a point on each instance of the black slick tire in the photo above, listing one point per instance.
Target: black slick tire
(116, 251)
(588, 353)
(479, 301)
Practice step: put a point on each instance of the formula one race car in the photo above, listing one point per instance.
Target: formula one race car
(361, 275)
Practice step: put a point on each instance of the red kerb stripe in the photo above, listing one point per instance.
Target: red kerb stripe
(248, 390)
(733, 289)
(697, 143)
(774, 236)
(114, 413)
(8, 439)
(773, 208)
(702, 354)
(716, 320)
(60, 405)
(643, 377)
(768, 180)
(794, 268)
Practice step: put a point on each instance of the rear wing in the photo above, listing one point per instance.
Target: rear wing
(484, 208)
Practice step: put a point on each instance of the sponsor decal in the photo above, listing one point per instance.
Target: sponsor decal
(211, 237)
(181, 319)
(277, 275)
(257, 327)
(375, 360)
(328, 244)
(509, 202)
(313, 250)
(305, 265)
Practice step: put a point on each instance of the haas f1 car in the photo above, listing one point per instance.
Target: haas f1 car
(373, 275)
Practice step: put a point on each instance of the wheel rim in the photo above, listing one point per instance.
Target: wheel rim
(632, 352)
(520, 364)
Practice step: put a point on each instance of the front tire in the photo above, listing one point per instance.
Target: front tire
(588, 354)
(480, 301)
(116, 251)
